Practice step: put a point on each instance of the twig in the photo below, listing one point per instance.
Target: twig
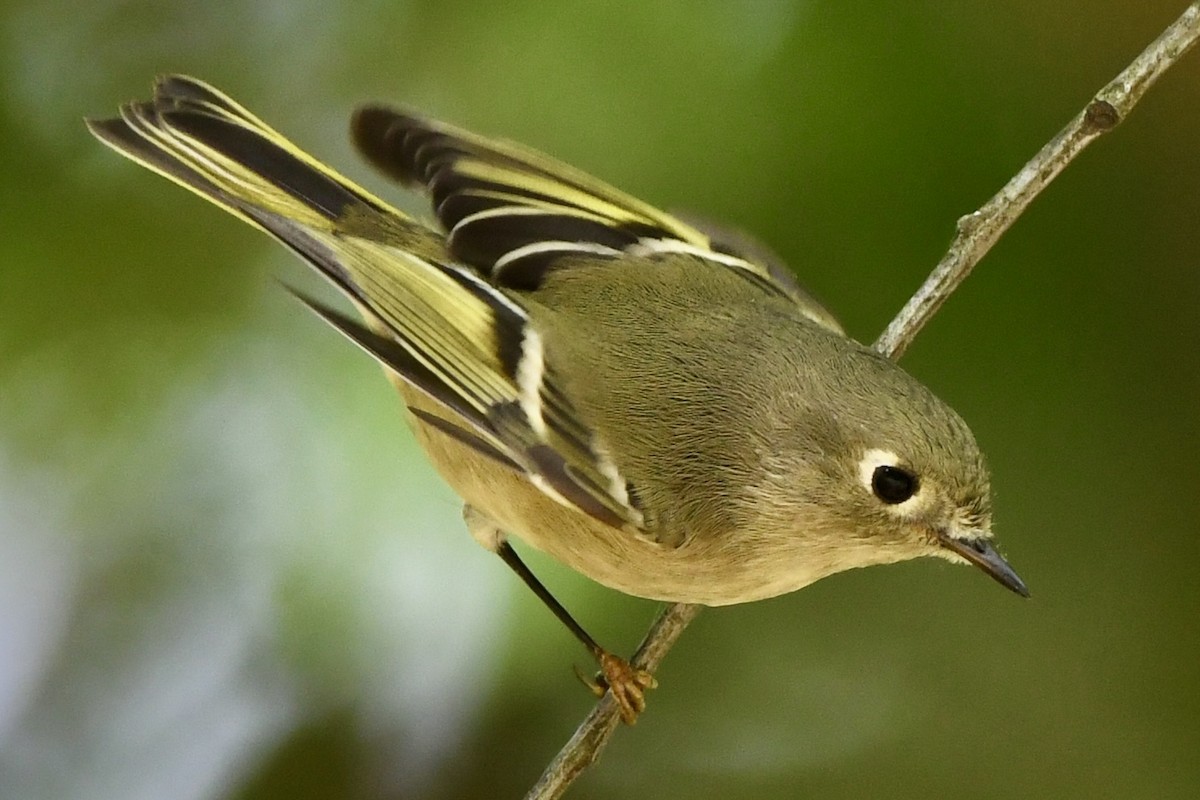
(583, 748)
(975, 235)
(978, 232)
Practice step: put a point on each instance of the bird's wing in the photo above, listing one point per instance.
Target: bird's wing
(463, 342)
(515, 213)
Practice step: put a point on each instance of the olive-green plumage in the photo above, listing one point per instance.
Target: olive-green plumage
(649, 401)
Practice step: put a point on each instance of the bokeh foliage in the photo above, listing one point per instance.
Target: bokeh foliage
(226, 572)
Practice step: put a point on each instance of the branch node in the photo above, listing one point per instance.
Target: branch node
(1100, 116)
(969, 223)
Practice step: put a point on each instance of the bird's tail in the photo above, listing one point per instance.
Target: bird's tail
(434, 323)
(203, 140)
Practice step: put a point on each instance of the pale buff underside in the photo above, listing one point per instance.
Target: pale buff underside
(703, 572)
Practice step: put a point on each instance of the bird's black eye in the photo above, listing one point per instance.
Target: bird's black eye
(893, 485)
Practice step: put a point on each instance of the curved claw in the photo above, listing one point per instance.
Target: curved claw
(626, 683)
(593, 684)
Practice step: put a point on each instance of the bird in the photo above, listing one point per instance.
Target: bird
(652, 400)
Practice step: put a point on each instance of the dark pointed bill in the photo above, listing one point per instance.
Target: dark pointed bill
(981, 553)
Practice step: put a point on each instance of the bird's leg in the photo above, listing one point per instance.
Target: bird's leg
(627, 684)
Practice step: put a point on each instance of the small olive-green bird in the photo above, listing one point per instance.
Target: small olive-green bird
(651, 401)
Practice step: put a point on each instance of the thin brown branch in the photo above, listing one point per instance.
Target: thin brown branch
(975, 235)
(584, 747)
(978, 232)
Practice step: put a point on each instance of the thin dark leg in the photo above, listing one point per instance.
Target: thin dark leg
(626, 684)
(514, 561)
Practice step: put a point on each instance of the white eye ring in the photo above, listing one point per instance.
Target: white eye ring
(874, 459)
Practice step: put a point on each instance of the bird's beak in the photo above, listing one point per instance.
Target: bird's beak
(980, 552)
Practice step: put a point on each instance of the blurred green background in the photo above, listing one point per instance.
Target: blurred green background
(226, 571)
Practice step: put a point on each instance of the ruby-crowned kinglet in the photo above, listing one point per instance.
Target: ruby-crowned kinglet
(655, 404)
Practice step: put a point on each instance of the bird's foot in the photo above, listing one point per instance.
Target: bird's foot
(627, 684)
